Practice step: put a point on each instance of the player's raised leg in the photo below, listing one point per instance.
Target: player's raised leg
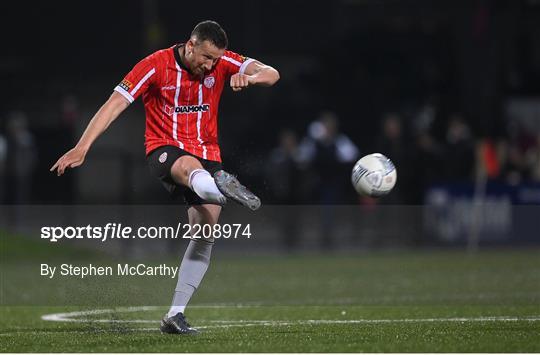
(192, 269)
(229, 185)
(188, 171)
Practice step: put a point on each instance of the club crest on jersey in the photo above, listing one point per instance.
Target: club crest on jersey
(126, 85)
(209, 81)
(163, 157)
(169, 110)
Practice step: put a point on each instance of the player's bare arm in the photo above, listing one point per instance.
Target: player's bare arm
(112, 108)
(256, 73)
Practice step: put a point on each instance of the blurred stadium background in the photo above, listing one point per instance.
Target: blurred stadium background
(449, 90)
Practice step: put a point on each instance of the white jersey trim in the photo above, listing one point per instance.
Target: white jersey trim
(199, 118)
(124, 93)
(245, 64)
(175, 114)
(230, 60)
(142, 81)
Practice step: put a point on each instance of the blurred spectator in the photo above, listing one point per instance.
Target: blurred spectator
(514, 168)
(392, 144)
(284, 173)
(391, 141)
(331, 155)
(425, 117)
(520, 161)
(489, 157)
(460, 150)
(287, 185)
(20, 159)
(426, 165)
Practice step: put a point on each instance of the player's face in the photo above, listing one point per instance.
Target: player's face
(202, 56)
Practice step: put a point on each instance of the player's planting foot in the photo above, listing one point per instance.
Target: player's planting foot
(229, 185)
(176, 324)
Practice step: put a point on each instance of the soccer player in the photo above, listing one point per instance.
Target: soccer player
(181, 87)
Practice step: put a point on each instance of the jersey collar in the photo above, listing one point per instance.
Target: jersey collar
(178, 59)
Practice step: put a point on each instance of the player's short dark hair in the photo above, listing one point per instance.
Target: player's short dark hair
(211, 31)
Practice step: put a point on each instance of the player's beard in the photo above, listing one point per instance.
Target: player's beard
(201, 72)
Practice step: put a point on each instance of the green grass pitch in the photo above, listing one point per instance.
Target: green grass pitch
(422, 301)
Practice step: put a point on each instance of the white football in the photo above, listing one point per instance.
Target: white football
(374, 175)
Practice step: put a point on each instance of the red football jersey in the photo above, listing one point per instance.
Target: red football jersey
(181, 109)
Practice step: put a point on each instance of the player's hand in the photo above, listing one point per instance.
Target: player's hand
(240, 81)
(71, 159)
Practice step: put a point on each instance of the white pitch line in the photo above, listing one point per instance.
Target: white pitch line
(255, 323)
(71, 317)
(67, 317)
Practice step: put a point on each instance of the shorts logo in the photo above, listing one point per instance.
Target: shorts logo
(169, 110)
(163, 157)
(126, 85)
(209, 81)
(170, 87)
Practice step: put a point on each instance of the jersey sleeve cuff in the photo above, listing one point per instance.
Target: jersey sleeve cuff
(245, 64)
(124, 93)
